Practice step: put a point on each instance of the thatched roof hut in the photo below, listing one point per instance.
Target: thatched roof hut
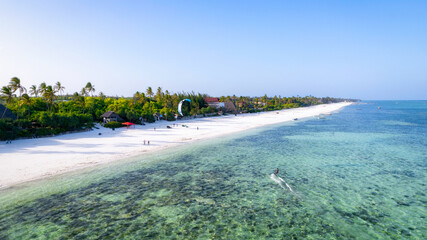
(111, 116)
(229, 107)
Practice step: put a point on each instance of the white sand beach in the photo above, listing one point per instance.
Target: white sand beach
(30, 159)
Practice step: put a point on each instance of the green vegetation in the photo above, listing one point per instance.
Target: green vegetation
(45, 111)
(265, 103)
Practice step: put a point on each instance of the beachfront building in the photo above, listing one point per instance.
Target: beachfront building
(229, 107)
(213, 102)
(6, 113)
(111, 116)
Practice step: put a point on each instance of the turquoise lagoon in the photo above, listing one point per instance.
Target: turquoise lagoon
(357, 174)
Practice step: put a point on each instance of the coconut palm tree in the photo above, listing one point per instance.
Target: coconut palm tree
(83, 92)
(8, 95)
(34, 91)
(149, 92)
(59, 88)
(26, 100)
(264, 99)
(15, 85)
(42, 88)
(75, 96)
(81, 98)
(136, 97)
(159, 94)
(234, 98)
(90, 88)
(167, 100)
(49, 95)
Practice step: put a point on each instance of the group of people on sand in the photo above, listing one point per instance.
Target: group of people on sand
(148, 142)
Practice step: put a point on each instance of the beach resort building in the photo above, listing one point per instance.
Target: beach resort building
(229, 107)
(111, 116)
(214, 102)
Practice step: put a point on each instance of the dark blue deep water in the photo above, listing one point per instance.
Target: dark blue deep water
(357, 174)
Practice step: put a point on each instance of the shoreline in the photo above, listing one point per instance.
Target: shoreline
(28, 160)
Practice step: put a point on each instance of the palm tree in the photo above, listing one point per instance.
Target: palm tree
(26, 100)
(42, 88)
(75, 96)
(59, 88)
(234, 99)
(49, 95)
(149, 92)
(264, 99)
(168, 99)
(159, 94)
(136, 97)
(81, 98)
(7, 94)
(83, 92)
(241, 102)
(15, 85)
(34, 91)
(90, 88)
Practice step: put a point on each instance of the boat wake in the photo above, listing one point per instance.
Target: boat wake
(280, 181)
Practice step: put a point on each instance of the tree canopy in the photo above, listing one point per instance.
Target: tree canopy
(46, 111)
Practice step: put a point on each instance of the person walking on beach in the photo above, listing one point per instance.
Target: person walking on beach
(144, 141)
(148, 142)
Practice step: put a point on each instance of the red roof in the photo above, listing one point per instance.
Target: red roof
(211, 99)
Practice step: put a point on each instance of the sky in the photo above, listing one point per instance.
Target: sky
(353, 49)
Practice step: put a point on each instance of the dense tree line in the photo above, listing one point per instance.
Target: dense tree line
(44, 110)
(265, 103)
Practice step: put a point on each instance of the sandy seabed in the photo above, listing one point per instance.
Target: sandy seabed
(30, 159)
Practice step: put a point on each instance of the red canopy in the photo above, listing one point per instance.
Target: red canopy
(128, 123)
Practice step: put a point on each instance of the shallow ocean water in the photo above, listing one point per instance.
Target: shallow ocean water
(358, 174)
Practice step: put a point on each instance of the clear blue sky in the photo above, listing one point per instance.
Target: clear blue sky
(358, 49)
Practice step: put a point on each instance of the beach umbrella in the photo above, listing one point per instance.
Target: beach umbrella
(128, 124)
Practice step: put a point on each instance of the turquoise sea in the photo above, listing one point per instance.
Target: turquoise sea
(359, 173)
